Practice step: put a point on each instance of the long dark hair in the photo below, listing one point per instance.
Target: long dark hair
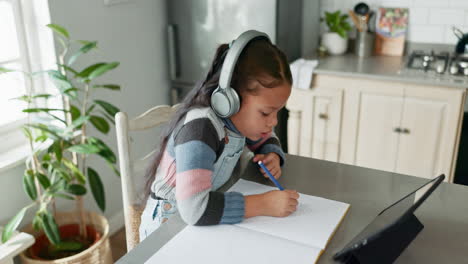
(259, 58)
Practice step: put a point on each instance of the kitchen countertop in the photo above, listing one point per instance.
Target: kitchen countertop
(387, 68)
(444, 214)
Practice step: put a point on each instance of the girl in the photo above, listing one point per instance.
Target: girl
(200, 149)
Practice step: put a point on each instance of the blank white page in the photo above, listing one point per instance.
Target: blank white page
(231, 244)
(312, 224)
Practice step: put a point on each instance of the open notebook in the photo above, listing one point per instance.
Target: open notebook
(299, 238)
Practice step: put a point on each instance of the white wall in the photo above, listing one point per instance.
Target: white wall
(430, 20)
(132, 33)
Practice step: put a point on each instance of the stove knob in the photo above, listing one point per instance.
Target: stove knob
(440, 68)
(453, 69)
(465, 71)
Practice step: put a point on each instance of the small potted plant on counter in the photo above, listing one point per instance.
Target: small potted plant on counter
(336, 40)
(60, 145)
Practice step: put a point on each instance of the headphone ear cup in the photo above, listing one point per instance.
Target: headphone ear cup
(220, 102)
(234, 101)
(225, 102)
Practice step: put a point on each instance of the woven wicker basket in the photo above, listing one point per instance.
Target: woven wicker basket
(100, 252)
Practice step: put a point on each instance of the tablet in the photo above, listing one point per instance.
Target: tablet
(389, 217)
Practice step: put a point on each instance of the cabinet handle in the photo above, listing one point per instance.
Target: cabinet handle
(397, 130)
(323, 116)
(405, 131)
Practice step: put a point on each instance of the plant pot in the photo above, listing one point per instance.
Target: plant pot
(98, 230)
(334, 43)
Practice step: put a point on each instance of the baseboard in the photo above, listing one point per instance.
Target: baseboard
(116, 222)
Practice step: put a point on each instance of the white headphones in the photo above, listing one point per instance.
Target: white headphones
(224, 99)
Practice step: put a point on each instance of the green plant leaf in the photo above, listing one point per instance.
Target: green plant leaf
(71, 92)
(108, 117)
(77, 123)
(13, 224)
(75, 112)
(113, 168)
(78, 174)
(97, 188)
(60, 30)
(56, 149)
(105, 151)
(64, 196)
(29, 99)
(5, 70)
(85, 73)
(46, 157)
(50, 228)
(84, 49)
(90, 109)
(68, 68)
(108, 107)
(76, 189)
(100, 124)
(43, 180)
(41, 138)
(67, 246)
(28, 184)
(336, 22)
(27, 133)
(37, 222)
(114, 87)
(58, 186)
(51, 131)
(341, 32)
(103, 69)
(35, 110)
(84, 149)
(23, 98)
(59, 80)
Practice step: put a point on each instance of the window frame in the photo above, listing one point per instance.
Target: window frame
(37, 53)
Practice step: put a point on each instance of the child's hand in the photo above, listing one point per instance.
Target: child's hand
(280, 203)
(271, 161)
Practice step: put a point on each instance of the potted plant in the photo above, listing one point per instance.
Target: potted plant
(336, 40)
(59, 170)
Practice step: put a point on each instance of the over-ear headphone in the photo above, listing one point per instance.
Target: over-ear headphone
(224, 99)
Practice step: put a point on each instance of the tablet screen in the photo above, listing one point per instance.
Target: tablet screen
(394, 212)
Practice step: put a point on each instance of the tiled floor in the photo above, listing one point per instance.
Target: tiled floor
(118, 244)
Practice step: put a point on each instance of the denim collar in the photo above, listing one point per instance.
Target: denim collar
(230, 125)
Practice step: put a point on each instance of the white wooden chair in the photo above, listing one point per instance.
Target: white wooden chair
(133, 169)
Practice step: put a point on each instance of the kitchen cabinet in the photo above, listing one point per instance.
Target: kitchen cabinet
(393, 126)
(314, 123)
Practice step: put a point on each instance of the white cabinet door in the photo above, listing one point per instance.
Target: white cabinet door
(430, 127)
(377, 140)
(299, 109)
(372, 111)
(314, 123)
(325, 124)
(420, 140)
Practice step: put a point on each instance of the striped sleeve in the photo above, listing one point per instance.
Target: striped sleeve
(196, 145)
(265, 145)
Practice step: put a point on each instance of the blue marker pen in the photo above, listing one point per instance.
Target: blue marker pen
(260, 163)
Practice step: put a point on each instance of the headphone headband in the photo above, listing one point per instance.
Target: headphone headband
(234, 52)
(225, 101)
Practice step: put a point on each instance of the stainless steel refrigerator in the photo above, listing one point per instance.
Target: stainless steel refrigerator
(197, 27)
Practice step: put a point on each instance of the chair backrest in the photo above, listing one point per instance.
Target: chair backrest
(132, 169)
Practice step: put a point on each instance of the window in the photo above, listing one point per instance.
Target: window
(26, 45)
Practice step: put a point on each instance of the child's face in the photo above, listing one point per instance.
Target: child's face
(258, 112)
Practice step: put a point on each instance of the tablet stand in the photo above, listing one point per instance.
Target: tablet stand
(389, 245)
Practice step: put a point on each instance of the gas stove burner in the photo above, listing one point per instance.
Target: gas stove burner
(459, 65)
(428, 61)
